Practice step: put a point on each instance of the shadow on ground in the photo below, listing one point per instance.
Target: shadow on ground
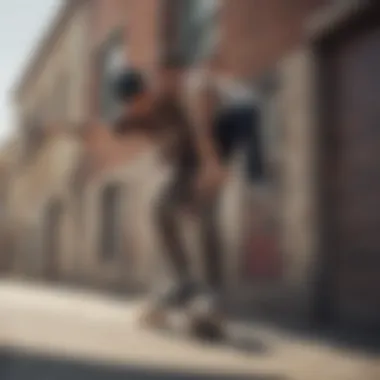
(349, 338)
(364, 341)
(243, 344)
(22, 366)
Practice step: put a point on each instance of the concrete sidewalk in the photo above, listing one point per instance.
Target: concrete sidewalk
(90, 328)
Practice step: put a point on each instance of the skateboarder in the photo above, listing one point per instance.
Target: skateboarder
(159, 111)
(199, 120)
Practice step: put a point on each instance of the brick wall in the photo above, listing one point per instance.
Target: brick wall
(257, 33)
(140, 22)
(256, 37)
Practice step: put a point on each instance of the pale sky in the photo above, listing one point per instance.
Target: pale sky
(22, 23)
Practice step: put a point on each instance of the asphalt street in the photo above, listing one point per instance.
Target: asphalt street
(55, 334)
(18, 366)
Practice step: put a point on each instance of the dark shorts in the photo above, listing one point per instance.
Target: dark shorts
(234, 129)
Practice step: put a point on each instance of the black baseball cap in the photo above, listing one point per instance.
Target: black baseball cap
(128, 84)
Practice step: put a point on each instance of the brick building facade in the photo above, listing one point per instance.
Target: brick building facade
(276, 46)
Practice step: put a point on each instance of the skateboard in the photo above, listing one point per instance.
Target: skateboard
(197, 320)
(201, 323)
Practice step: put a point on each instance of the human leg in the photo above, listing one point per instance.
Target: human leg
(212, 244)
(168, 214)
(233, 131)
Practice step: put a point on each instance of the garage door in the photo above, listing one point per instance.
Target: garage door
(352, 170)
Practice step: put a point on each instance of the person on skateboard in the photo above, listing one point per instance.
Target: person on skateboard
(200, 118)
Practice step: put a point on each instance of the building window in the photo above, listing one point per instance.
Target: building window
(111, 222)
(256, 166)
(198, 28)
(33, 136)
(59, 108)
(263, 153)
(112, 60)
(53, 238)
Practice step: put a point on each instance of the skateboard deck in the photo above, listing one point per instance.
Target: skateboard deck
(209, 328)
(192, 322)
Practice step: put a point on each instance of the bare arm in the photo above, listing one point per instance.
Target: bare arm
(202, 108)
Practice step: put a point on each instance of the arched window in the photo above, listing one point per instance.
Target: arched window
(111, 222)
(264, 150)
(33, 137)
(52, 229)
(112, 60)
